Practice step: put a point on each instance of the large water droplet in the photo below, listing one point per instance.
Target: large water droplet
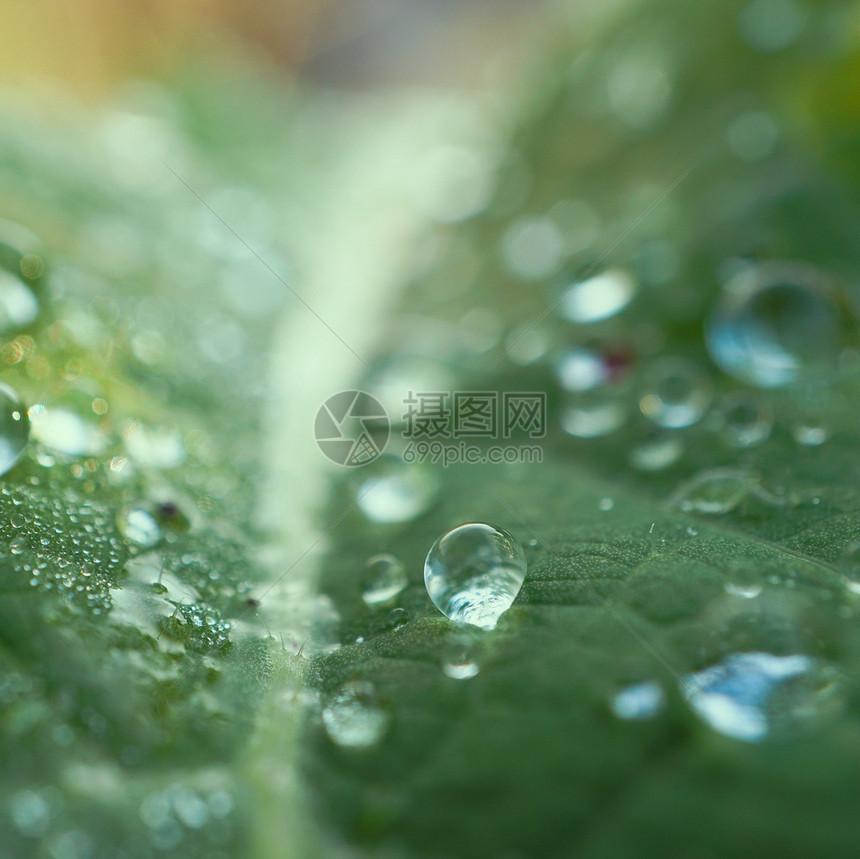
(384, 578)
(597, 298)
(749, 696)
(474, 573)
(777, 323)
(676, 393)
(14, 427)
(396, 491)
(353, 717)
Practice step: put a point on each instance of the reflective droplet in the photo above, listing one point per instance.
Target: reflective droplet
(777, 323)
(749, 696)
(849, 565)
(605, 505)
(396, 491)
(384, 578)
(458, 662)
(14, 428)
(18, 305)
(656, 452)
(640, 701)
(597, 298)
(353, 717)
(592, 414)
(745, 421)
(397, 617)
(676, 393)
(474, 573)
(138, 525)
(715, 491)
(810, 432)
(18, 546)
(745, 581)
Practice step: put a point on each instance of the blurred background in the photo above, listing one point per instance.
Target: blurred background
(352, 43)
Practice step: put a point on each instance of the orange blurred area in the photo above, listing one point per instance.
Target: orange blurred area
(89, 44)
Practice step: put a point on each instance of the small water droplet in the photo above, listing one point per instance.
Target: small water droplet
(676, 393)
(353, 717)
(137, 525)
(745, 421)
(14, 428)
(849, 566)
(778, 322)
(18, 545)
(397, 617)
(396, 491)
(384, 578)
(714, 491)
(745, 581)
(597, 298)
(593, 414)
(655, 452)
(474, 573)
(810, 432)
(749, 696)
(639, 701)
(605, 504)
(458, 662)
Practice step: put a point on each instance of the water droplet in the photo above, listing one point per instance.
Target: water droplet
(745, 581)
(137, 525)
(849, 565)
(18, 305)
(749, 696)
(714, 491)
(581, 370)
(605, 504)
(592, 414)
(397, 617)
(597, 298)
(396, 491)
(640, 701)
(676, 393)
(18, 545)
(810, 432)
(384, 578)
(14, 428)
(474, 573)
(655, 452)
(353, 717)
(745, 421)
(458, 662)
(776, 323)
